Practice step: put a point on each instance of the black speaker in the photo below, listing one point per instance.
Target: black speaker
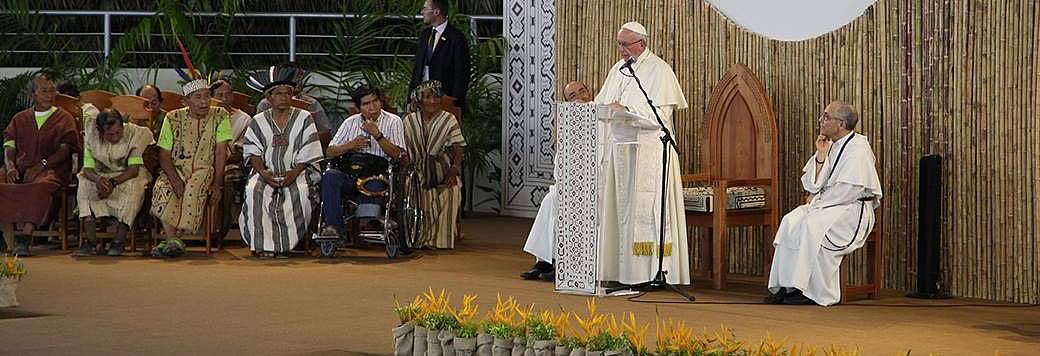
(929, 230)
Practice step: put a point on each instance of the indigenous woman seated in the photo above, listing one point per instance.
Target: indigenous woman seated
(113, 180)
(433, 138)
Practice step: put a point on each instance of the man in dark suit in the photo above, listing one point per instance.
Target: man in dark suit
(442, 53)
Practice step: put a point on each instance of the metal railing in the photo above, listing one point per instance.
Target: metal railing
(291, 34)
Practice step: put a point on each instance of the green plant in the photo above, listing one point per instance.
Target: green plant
(482, 122)
(604, 341)
(12, 268)
(440, 321)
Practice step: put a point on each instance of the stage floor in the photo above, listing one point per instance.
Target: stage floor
(233, 304)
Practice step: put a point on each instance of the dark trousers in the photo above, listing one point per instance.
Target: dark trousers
(335, 187)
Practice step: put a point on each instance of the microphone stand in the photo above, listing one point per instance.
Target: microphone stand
(659, 282)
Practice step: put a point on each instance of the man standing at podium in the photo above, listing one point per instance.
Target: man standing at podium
(632, 172)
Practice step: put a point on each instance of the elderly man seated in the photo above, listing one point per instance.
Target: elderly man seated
(373, 131)
(542, 238)
(192, 150)
(838, 214)
(38, 145)
(281, 146)
(435, 148)
(113, 180)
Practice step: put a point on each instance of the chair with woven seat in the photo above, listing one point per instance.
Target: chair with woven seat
(740, 150)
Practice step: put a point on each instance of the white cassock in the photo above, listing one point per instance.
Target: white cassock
(632, 180)
(813, 238)
(542, 238)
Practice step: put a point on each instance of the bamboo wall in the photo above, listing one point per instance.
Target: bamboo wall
(955, 78)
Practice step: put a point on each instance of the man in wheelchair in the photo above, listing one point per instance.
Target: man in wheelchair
(371, 136)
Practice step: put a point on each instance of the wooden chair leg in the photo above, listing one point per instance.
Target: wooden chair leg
(207, 223)
(63, 228)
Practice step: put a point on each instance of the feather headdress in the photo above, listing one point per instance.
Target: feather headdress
(286, 74)
(193, 80)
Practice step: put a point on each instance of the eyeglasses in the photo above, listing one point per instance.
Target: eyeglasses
(626, 45)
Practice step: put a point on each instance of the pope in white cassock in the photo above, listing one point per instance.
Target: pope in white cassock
(844, 189)
(632, 172)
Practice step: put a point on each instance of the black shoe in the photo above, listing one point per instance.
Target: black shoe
(776, 298)
(86, 249)
(21, 246)
(117, 248)
(537, 270)
(797, 298)
(548, 276)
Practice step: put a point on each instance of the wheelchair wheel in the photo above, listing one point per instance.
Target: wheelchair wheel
(410, 217)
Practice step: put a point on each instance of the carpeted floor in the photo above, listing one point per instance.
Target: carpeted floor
(236, 305)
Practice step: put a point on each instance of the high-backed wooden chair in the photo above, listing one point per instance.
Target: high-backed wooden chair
(740, 149)
(872, 286)
(242, 102)
(132, 108)
(171, 100)
(99, 98)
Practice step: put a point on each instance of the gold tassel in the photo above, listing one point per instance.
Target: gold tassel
(648, 248)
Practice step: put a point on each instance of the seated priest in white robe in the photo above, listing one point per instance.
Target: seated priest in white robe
(542, 238)
(631, 214)
(812, 239)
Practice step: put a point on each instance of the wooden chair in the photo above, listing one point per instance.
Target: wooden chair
(100, 98)
(872, 287)
(132, 108)
(171, 100)
(740, 149)
(242, 102)
(72, 106)
(301, 104)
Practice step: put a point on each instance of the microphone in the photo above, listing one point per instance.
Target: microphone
(628, 64)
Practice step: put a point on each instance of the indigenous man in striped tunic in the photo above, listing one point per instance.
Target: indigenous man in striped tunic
(113, 179)
(192, 150)
(373, 131)
(282, 147)
(435, 143)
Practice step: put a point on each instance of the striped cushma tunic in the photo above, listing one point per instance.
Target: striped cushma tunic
(274, 219)
(429, 145)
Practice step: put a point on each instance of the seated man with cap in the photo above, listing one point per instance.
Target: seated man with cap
(192, 150)
(373, 131)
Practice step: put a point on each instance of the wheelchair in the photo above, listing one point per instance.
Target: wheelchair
(398, 214)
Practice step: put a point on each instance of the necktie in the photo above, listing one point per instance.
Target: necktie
(432, 41)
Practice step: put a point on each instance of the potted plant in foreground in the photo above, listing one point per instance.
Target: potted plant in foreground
(11, 271)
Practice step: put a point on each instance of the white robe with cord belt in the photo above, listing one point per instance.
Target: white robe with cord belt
(813, 238)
